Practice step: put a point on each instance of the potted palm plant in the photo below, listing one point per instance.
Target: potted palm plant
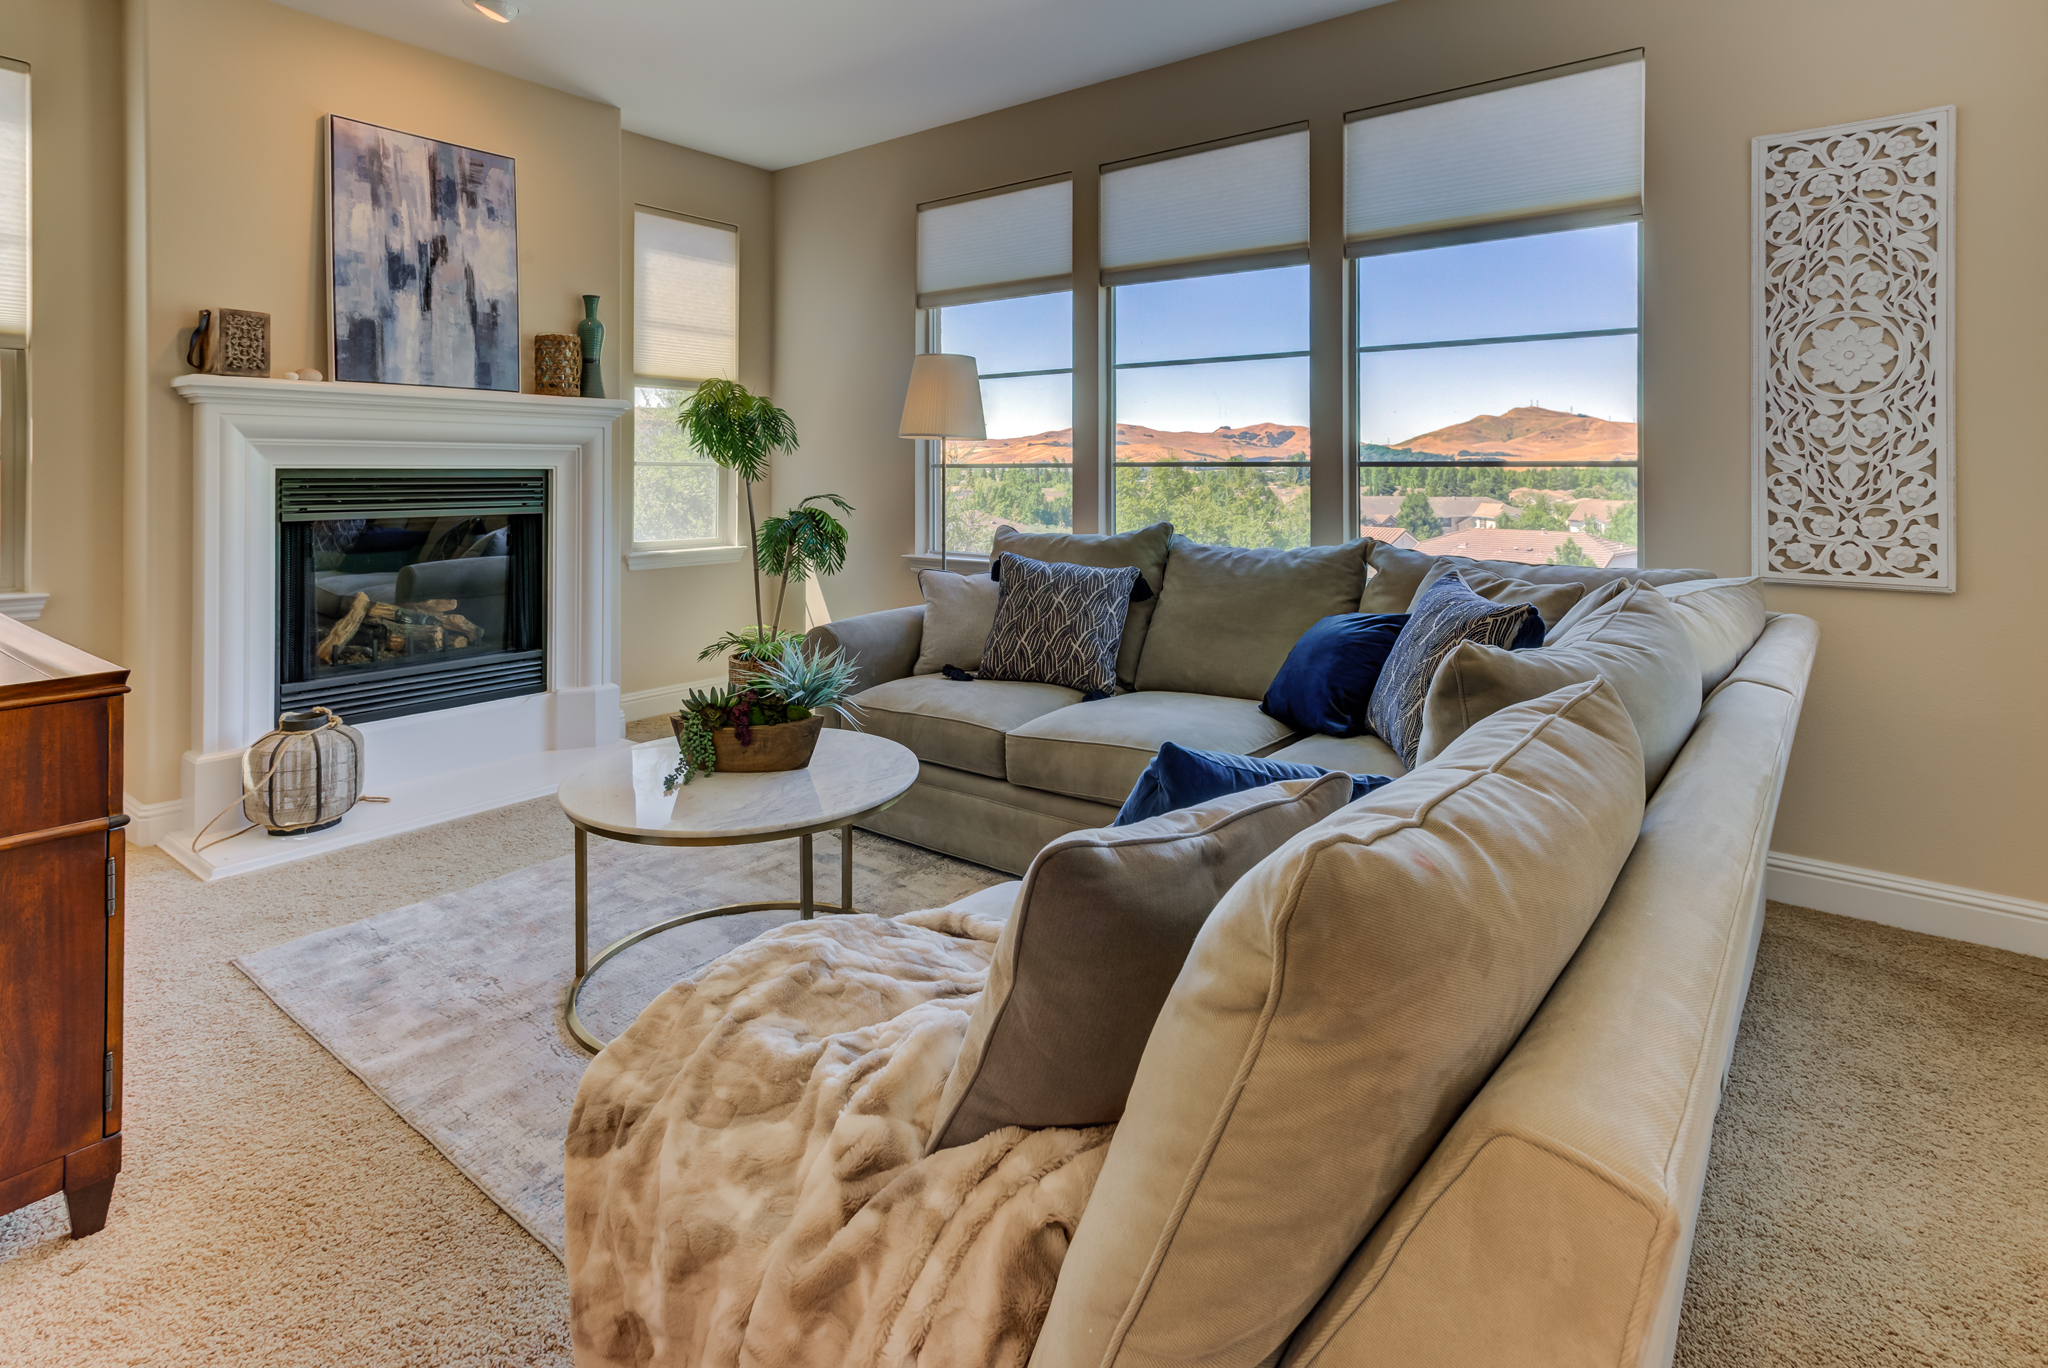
(741, 431)
(771, 723)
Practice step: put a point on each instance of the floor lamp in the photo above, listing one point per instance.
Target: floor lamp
(943, 403)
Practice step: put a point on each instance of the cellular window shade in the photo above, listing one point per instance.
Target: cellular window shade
(1000, 246)
(13, 206)
(1565, 145)
(1249, 199)
(685, 299)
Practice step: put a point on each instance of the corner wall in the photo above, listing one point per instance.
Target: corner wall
(1921, 739)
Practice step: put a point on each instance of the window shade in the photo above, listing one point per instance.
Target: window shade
(685, 299)
(1249, 199)
(13, 205)
(999, 246)
(1564, 145)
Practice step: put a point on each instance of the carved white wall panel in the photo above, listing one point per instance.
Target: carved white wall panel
(1853, 300)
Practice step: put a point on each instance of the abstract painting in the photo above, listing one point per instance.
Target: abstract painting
(425, 248)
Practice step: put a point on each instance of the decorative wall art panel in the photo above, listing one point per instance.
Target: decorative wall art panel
(425, 248)
(1853, 352)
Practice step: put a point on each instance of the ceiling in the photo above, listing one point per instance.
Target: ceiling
(778, 82)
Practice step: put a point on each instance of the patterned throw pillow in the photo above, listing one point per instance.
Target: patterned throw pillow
(1058, 624)
(1446, 614)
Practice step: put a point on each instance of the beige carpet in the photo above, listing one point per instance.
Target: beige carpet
(1876, 1196)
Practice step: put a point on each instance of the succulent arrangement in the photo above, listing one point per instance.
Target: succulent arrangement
(796, 685)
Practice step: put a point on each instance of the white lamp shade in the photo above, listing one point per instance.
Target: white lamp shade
(944, 398)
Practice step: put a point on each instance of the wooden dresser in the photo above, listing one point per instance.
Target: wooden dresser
(61, 867)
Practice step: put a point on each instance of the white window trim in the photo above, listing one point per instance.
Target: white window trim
(669, 555)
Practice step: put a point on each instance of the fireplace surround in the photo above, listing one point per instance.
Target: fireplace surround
(529, 478)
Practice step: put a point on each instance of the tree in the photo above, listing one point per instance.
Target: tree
(803, 542)
(739, 430)
(1622, 526)
(1569, 553)
(1418, 517)
(1538, 515)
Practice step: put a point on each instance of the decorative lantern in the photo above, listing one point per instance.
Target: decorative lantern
(304, 776)
(557, 364)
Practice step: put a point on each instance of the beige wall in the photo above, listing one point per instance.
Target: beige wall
(236, 91)
(1921, 739)
(668, 615)
(75, 541)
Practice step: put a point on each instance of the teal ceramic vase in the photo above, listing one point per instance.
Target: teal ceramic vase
(590, 333)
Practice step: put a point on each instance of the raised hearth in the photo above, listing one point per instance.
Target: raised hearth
(490, 668)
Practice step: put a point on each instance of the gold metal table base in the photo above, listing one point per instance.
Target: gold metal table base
(806, 906)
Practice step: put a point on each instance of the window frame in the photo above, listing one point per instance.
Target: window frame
(16, 417)
(723, 545)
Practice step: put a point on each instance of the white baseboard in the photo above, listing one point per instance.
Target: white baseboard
(643, 703)
(149, 823)
(1936, 909)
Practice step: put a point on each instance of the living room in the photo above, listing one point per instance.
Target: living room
(1183, 249)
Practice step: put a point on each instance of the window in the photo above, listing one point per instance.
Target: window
(685, 330)
(1205, 255)
(995, 276)
(1496, 238)
(14, 277)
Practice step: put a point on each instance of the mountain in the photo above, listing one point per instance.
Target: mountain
(1259, 442)
(1532, 434)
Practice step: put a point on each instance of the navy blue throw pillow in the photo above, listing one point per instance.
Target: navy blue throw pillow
(1179, 778)
(1328, 678)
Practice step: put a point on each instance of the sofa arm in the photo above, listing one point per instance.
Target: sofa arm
(882, 645)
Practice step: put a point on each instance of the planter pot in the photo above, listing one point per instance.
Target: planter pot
(739, 673)
(784, 746)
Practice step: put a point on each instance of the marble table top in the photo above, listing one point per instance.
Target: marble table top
(850, 773)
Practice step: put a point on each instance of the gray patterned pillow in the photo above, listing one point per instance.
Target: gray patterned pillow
(1445, 614)
(1058, 624)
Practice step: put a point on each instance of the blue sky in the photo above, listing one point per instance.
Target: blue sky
(1560, 282)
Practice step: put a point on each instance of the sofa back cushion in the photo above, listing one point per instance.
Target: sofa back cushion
(1633, 639)
(1551, 601)
(1339, 1008)
(1229, 615)
(1723, 617)
(1144, 548)
(1398, 574)
(1095, 940)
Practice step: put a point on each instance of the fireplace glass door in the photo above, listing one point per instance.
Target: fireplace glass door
(407, 591)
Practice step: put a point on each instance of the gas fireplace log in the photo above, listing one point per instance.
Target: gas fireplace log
(358, 608)
(431, 606)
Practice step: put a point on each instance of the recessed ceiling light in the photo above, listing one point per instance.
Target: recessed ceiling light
(499, 11)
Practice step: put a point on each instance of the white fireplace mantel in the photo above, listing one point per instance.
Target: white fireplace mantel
(434, 766)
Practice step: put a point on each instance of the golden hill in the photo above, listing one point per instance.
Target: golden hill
(1258, 442)
(1532, 434)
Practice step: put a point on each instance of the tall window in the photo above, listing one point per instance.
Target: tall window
(14, 266)
(685, 330)
(1205, 255)
(1497, 235)
(995, 276)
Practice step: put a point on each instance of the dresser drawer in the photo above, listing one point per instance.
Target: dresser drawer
(53, 765)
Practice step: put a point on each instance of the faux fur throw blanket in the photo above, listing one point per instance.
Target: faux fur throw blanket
(744, 1180)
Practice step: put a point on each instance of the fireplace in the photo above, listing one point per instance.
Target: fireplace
(409, 591)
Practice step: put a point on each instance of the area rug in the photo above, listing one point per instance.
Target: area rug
(451, 1009)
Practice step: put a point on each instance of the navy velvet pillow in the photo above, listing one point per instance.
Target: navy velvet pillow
(1328, 677)
(1179, 777)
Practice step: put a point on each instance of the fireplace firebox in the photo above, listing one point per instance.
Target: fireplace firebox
(408, 591)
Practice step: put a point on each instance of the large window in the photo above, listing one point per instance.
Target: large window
(685, 330)
(1204, 254)
(995, 282)
(1498, 312)
(14, 276)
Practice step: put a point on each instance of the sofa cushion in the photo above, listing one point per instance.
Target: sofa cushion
(1097, 750)
(1263, 599)
(1722, 617)
(1180, 777)
(1551, 601)
(958, 612)
(1096, 937)
(1327, 679)
(1145, 548)
(1339, 1008)
(1058, 624)
(960, 724)
(1446, 615)
(1634, 640)
(1352, 754)
(1398, 574)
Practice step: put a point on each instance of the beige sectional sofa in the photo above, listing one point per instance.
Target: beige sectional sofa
(1006, 767)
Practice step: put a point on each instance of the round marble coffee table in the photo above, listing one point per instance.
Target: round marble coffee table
(619, 796)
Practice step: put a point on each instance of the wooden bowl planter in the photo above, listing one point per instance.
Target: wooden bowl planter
(780, 746)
